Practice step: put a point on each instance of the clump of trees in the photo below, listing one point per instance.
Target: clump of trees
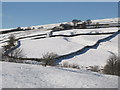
(62, 27)
(75, 21)
(88, 22)
(66, 26)
(49, 59)
(77, 24)
(13, 54)
(82, 25)
(112, 66)
(40, 27)
(10, 43)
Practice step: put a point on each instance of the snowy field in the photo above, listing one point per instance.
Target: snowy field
(35, 76)
(64, 45)
(97, 57)
(36, 48)
(77, 31)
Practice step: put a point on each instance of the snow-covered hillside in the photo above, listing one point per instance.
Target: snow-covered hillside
(109, 20)
(64, 45)
(36, 48)
(35, 43)
(35, 76)
(96, 56)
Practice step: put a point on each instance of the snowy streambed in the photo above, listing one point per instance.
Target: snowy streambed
(36, 76)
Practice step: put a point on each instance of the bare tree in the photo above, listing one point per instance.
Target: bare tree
(11, 41)
(113, 65)
(49, 59)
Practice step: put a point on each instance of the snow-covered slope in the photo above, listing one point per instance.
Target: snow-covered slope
(36, 48)
(77, 31)
(35, 76)
(97, 56)
(108, 20)
(64, 45)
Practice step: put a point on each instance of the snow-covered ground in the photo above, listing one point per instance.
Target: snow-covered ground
(59, 45)
(35, 76)
(108, 20)
(36, 48)
(96, 56)
(64, 45)
(77, 31)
